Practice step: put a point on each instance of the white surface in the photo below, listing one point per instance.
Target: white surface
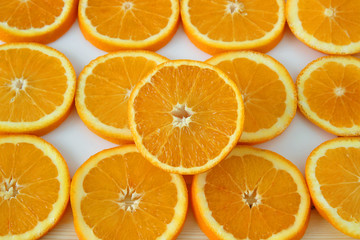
(77, 143)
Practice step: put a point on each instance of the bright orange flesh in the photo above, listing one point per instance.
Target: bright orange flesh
(328, 94)
(252, 194)
(120, 195)
(36, 83)
(185, 116)
(104, 89)
(39, 21)
(31, 185)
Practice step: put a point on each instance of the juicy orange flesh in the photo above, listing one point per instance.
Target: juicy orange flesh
(232, 20)
(276, 198)
(33, 178)
(331, 21)
(129, 20)
(212, 121)
(32, 85)
(332, 93)
(104, 185)
(108, 88)
(25, 15)
(263, 93)
(338, 173)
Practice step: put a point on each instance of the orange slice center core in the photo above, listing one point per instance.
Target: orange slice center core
(330, 12)
(9, 189)
(339, 91)
(181, 115)
(127, 6)
(236, 7)
(129, 200)
(251, 198)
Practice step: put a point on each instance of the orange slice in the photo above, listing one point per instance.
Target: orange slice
(185, 116)
(40, 21)
(34, 187)
(222, 25)
(37, 88)
(329, 26)
(117, 194)
(333, 173)
(252, 194)
(268, 92)
(130, 24)
(329, 90)
(104, 87)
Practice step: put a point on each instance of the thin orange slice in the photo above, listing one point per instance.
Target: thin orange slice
(333, 176)
(40, 21)
(329, 90)
(117, 194)
(252, 194)
(37, 88)
(129, 24)
(222, 25)
(329, 26)
(34, 187)
(186, 116)
(104, 87)
(267, 89)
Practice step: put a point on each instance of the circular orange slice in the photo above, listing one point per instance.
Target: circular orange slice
(252, 194)
(218, 25)
(130, 24)
(117, 194)
(268, 92)
(34, 187)
(40, 21)
(328, 94)
(104, 87)
(333, 173)
(37, 88)
(185, 116)
(328, 26)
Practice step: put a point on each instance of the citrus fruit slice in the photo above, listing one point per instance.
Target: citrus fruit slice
(328, 26)
(328, 94)
(333, 173)
(40, 21)
(267, 89)
(218, 25)
(37, 88)
(34, 187)
(185, 116)
(117, 194)
(104, 87)
(252, 194)
(131, 24)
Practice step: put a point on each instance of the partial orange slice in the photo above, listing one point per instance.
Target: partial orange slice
(37, 88)
(222, 25)
(252, 194)
(34, 187)
(332, 174)
(267, 89)
(41, 21)
(329, 90)
(104, 88)
(131, 24)
(186, 116)
(117, 194)
(329, 26)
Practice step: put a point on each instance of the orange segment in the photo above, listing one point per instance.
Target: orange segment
(128, 24)
(35, 21)
(220, 25)
(104, 89)
(185, 116)
(252, 194)
(37, 87)
(329, 26)
(34, 187)
(268, 92)
(117, 194)
(333, 173)
(328, 91)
